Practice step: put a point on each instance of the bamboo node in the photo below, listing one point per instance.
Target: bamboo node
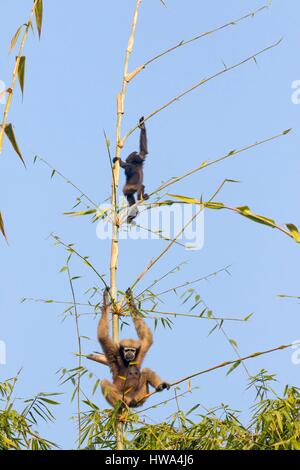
(132, 74)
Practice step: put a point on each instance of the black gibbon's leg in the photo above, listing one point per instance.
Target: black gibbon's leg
(132, 213)
(141, 195)
(130, 199)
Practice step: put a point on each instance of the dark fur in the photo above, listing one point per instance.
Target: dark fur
(130, 383)
(134, 173)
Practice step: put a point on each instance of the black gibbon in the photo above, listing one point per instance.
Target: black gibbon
(130, 383)
(133, 167)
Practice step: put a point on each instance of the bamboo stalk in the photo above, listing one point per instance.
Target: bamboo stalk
(153, 262)
(115, 184)
(15, 75)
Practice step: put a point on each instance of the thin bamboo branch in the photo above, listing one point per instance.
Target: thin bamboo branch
(63, 302)
(295, 297)
(160, 279)
(200, 83)
(15, 76)
(225, 364)
(158, 235)
(206, 164)
(165, 401)
(228, 339)
(153, 262)
(193, 39)
(187, 283)
(175, 314)
(71, 249)
(67, 180)
(270, 223)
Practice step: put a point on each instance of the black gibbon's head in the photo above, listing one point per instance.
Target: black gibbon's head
(129, 349)
(131, 157)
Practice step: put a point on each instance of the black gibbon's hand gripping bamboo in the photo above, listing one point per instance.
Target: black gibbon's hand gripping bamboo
(133, 167)
(130, 384)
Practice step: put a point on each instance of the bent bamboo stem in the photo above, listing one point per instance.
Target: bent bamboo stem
(225, 364)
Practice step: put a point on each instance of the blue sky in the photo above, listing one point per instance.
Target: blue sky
(73, 75)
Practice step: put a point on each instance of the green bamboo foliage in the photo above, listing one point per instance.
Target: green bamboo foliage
(2, 229)
(18, 422)
(245, 211)
(9, 131)
(18, 74)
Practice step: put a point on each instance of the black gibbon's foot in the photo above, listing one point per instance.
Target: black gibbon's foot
(133, 403)
(132, 215)
(116, 159)
(162, 386)
(130, 218)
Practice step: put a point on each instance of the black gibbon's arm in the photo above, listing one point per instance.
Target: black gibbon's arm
(122, 164)
(143, 139)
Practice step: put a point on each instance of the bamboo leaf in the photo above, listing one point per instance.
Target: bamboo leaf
(294, 232)
(15, 38)
(234, 343)
(212, 330)
(2, 229)
(192, 409)
(214, 205)
(21, 73)
(51, 402)
(248, 317)
(188, 200)
(287, 131)
(39, 16)
(11, 136)
(100, 214)
(88, 212)
(233, 367)
(246, 212)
